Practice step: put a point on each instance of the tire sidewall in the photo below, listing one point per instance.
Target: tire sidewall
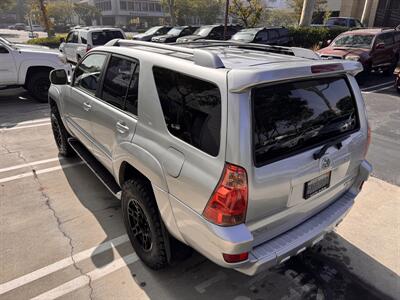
(151, 257)
(55, 125)
(34, 84)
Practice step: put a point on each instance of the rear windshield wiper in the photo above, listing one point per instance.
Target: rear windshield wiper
(336, 142)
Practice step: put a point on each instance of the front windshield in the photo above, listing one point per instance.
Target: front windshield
(5, 41)
(175, 31)
(354, 41)
(243, 36)
(152, 30)
(203, 31)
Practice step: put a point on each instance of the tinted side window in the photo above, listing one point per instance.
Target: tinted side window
(352, 23)
(273, 34)
(3, 50)
(291, 117)
(88, 72)
(69, 37)
(386, 38)
(116, 81)
(191, 107)
(74, 37)
(102, 37)
(262, 36)
(131, 103)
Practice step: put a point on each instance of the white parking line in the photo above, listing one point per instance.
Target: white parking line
(83, 280)
(24, 122)
(23, 127)
(28, 174)
(376, 86)
(378, 90)
(34, 163)
(61, 264)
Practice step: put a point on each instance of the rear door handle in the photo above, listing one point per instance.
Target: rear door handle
(86, 106)
(121, 127)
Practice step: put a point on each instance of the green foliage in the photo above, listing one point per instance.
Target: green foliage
(277, 17)
(52, 42)
(297, 6)
(61, 11)
(249, 12)
(6, 5)
(309, 37)
(86, 12)
(182, 11)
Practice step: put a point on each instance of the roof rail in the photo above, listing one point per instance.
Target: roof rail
(293, 51)
(200, 57)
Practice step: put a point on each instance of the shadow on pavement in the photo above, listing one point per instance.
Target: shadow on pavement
(16, 106)
(312, 275)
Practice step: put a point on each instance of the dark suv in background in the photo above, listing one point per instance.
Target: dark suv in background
(152, 32)
(271, 36)
(174, 34)
(375, 49)
(210, 32)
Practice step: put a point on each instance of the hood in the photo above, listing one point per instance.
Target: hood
(165, 36)
(27, 46)
(40, 51)
(189, 38)
(142, 37)
(343, 52)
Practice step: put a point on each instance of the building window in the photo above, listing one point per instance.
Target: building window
(103, 5)
(123, 5)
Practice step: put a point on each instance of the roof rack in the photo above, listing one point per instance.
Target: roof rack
(293, 51)
(200, 57)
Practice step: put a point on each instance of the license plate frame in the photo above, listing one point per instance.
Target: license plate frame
(317, 185)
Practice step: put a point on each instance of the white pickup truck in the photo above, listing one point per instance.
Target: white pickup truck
(29, 66)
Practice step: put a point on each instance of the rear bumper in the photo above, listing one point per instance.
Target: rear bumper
(212, 241)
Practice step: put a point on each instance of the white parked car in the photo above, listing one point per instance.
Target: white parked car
(81, 40)
(29, 66)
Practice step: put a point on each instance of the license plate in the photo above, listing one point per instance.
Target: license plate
(317, 185)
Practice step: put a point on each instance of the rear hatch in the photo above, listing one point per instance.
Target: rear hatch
(306, 147)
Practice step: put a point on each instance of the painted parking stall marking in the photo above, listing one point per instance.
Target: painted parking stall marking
(61, 264)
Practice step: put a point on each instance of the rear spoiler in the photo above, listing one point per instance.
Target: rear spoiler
(275, 73)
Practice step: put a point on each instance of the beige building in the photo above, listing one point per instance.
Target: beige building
(378, 13)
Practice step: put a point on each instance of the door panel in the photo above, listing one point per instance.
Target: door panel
(8, 71)
(80, 97)
(114, 112)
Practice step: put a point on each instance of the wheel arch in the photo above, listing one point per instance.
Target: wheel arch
(35, 69)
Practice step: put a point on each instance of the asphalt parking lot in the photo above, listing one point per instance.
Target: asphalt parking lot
(62, 235)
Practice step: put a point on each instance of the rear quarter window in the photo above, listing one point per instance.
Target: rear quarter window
(102, 37)
(292, 117)
(191, 108)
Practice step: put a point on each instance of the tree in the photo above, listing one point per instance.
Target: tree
(6, 5)
(60, 11)
(249, 12)
(278, 17)
(86, 12)
(171, 5)
(297, 6)
(206, 10)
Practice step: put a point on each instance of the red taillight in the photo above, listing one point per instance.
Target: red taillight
(228, 204)
(233, 258)
(88, 47)
(326, 68)
(368, 141)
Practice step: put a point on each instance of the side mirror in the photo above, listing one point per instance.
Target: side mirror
(62, 40)
(380, 46)
(58, 77)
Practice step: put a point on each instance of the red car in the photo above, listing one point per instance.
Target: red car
(375, 49)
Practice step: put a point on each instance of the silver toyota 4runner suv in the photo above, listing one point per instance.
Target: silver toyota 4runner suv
(247, 153)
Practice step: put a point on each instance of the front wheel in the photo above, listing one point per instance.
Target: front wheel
(60, 134)
(143, 224)
(39, 85)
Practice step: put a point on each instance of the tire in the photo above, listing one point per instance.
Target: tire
(144, 225)
(60, 134)
(390, 70)
(38, 86)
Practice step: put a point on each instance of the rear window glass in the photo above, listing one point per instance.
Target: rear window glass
(102, 37)
(191, 107)
(292, 117)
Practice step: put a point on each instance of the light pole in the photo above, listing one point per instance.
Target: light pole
(226, 18)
